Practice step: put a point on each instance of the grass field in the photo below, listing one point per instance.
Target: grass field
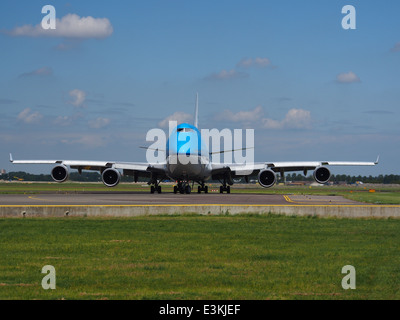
(383, 194)
(199, 257)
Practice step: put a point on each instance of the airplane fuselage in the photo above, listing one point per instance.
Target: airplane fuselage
(196, 169)
(187, 156)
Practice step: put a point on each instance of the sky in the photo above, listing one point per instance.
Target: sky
(110, 71)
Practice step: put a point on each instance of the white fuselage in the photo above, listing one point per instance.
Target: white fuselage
(188, 167)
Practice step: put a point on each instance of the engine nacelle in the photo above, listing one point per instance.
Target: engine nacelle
(322, 175)
(60, 173)
(266, 178)
(111, 177)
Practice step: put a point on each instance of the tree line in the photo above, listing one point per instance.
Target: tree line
(342, 178)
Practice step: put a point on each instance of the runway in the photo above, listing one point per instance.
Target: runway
(140, 198)
(130, 204)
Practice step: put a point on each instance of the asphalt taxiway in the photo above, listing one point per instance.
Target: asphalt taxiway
(141, 198)
(130, 204)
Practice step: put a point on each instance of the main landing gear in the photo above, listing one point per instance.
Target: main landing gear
(202, 188)
(182, 187)
(155, 188)
(225, 188)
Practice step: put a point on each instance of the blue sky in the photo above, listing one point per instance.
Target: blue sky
(309, 88)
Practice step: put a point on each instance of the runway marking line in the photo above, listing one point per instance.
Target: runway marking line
(287, 198)
(34, 198)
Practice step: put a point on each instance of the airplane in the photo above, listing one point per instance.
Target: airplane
(200, 168)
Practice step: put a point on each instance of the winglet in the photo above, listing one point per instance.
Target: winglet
(196, 111)
(377, 160)
(11, 158)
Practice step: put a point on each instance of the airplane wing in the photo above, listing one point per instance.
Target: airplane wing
(321, 174)
(252, 169)
(311, 165)
(136, 169)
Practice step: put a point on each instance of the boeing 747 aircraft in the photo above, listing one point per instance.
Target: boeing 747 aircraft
(185, 142)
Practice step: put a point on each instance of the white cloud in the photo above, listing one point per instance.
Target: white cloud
(272, 124)
(99, 123)
(78, 97)
(69, 26)
(242, 116)
(294, 119)
(256, 62)
(244, 63)
(63, 121)
(45, 71)
(29, 117)
(262, 62)
(349, 77)
(225, 75)
(90, 141)
(178, 116)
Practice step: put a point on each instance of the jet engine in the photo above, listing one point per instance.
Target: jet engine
(60, 173)
(111, 177)
(322, 175)
(267, 178)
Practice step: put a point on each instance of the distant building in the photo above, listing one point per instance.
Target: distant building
(2, 171)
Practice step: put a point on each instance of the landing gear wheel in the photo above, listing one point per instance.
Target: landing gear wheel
(224, 188)
(159, 189)
(206, 189)
(198, 189)
(152, 189)
(175, 189)
(188, 189)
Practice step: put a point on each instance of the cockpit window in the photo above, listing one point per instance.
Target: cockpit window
(185, 130)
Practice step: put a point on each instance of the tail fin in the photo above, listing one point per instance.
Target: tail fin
(196, 111)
